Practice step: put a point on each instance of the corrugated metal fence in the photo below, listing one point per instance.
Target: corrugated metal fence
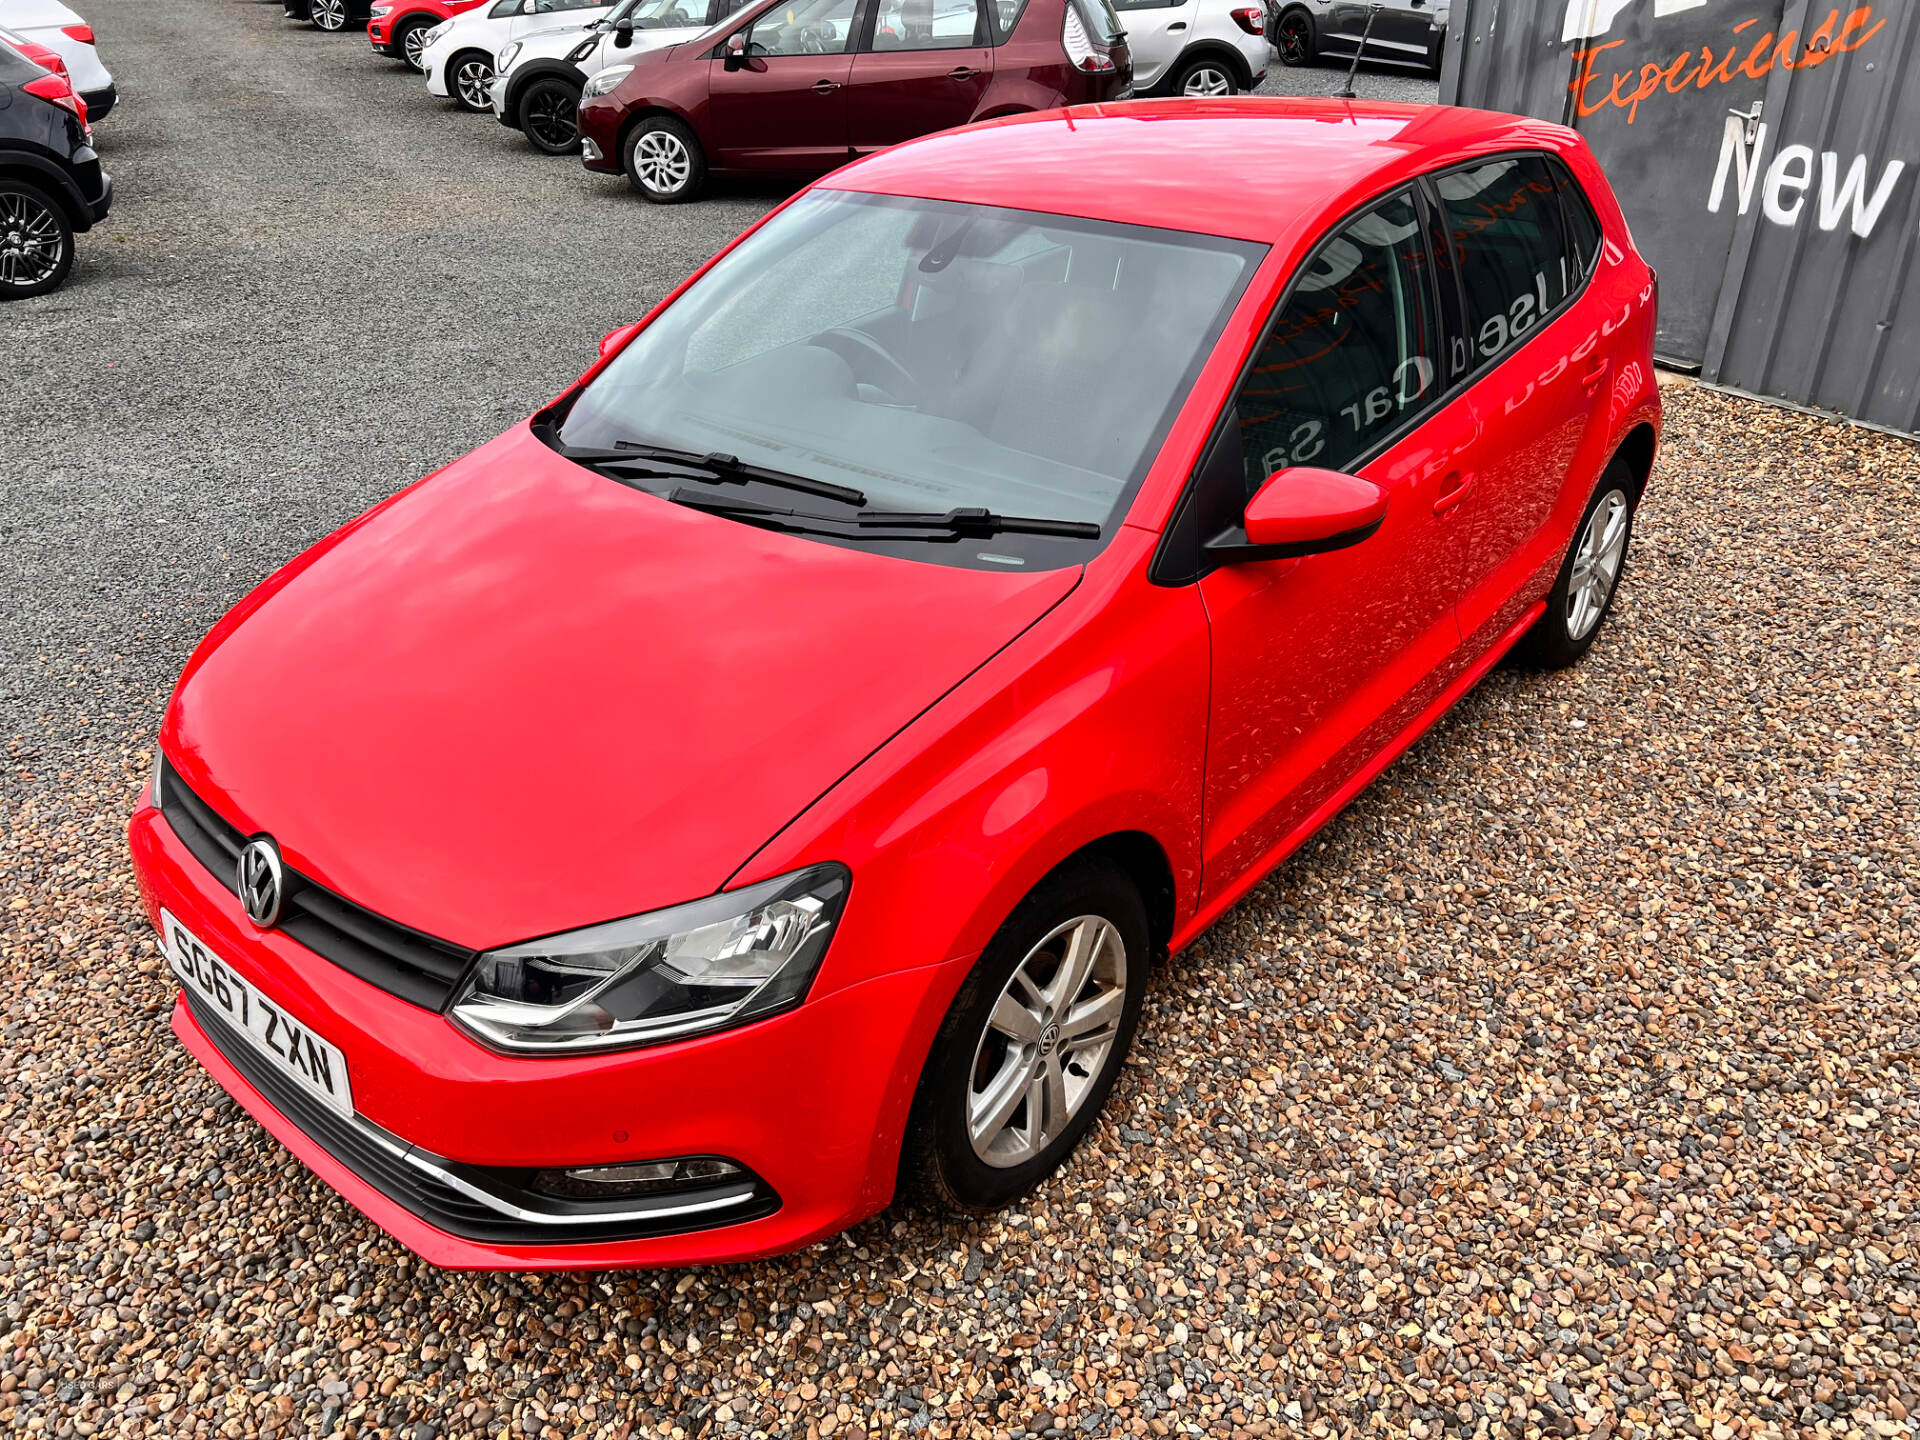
(1767, 153)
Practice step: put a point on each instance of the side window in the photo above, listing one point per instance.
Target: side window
(805, 27)
(503, 8)
(1352, 352)
(1504, 223)
(1125, 5)
(929, 25)
(1006, 15)
(1583, 226)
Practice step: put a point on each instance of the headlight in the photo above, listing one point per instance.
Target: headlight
(607, 79)
(504, 60)
(436, 32)
(709, 965)
(378, 10)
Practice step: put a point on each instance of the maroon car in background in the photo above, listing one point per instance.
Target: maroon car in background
(799, 87)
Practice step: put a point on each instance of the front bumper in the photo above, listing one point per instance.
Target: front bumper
(600, 117)
(815, 1118)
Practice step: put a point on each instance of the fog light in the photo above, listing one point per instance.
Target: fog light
(647, 1177)
(589, 149)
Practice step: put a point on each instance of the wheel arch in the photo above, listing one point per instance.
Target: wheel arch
(537, 70)
(46, 176)
(1636, 451)
(638, 115)
(1211, 50)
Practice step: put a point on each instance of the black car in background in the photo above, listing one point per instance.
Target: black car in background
(51, 183)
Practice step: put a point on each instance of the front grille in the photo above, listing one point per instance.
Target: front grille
(406, 1174)
(401, 961)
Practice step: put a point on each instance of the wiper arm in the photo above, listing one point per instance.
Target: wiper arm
(972, 520)
(955, 523)
(721, 469)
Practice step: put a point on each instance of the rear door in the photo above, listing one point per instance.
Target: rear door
(783, 106)
(1538, 364)
(925, 67)
(1401, 30)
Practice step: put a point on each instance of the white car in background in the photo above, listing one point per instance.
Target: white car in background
(539, 80)
(1195, 47)
(49, 23)
(457, 54)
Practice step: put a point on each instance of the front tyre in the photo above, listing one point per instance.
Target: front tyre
(1032, 1043)
(1582, 594)
(328, 15)
(470, 80)
(550, 116)
(36, 242)
(663, 161)
(410, 43)
(1293, 39)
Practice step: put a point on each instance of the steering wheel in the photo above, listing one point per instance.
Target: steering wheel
(813, 42)
(866, 355)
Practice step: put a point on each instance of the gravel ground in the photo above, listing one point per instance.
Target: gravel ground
(1566, 1085)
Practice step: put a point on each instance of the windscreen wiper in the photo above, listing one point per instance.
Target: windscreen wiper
(971, 521)
(714, 467)
(961, 523)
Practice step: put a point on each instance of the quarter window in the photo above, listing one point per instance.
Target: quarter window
(1006, 15)
(1351, 354)
(929, 25)
(1583, 229)
(1511, 248)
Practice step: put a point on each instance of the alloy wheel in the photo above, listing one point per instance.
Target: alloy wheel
(1208, 80)
(1596, 563)
(1047, 1041)
(329, 15)
(661, 162)
(1291, 42)
(550, 117)
(31, 243)
(413, 45)
(473, 83)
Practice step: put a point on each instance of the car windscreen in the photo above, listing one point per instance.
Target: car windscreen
(934, 357)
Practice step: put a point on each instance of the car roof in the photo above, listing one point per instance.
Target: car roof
(1255, 168)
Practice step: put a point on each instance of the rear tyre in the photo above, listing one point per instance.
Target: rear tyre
(1032, 1043)
(470, 80)
(36, 242)
(1293, 39)
(550, 115)
(663, 161)
(1582, 594)
(1206, 78)
(328, 15)
(410, 43)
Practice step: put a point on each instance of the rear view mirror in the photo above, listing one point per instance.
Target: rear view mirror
(623, 35)
(736, 49)
(1303, 511)
(614, 339)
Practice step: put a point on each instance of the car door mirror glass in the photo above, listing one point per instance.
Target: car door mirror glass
(1305, 511)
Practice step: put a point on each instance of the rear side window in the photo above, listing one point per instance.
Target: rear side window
(1583, 226)
(1511, 247)
(1351, 354)
(1006, 15)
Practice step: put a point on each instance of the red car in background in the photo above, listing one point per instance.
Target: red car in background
(398, 27)
(799, 87)
(766, 777)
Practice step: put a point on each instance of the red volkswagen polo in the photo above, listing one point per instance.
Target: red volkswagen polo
(767, 776)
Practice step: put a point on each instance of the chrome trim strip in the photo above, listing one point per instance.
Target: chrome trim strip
(419, 1160)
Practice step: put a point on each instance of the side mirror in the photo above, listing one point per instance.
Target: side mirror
(623, 35)
(614, 339)
(1303, 511)
(735, 49)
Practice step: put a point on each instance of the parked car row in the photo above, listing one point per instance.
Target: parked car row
(52, 186)
(672, 92)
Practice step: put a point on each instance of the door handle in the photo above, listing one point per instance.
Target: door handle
(962, 72)
(1594, 374)
(825, 87)
(1181, 25)
(1453, 489)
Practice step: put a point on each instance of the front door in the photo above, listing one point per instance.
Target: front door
(1401, 30)
(1157, 31)
(1319, 662)
(782, 106)
(925, 69)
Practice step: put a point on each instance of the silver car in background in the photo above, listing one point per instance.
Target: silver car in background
(1195, 47)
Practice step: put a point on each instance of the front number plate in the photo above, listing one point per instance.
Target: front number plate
(312, 1063)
